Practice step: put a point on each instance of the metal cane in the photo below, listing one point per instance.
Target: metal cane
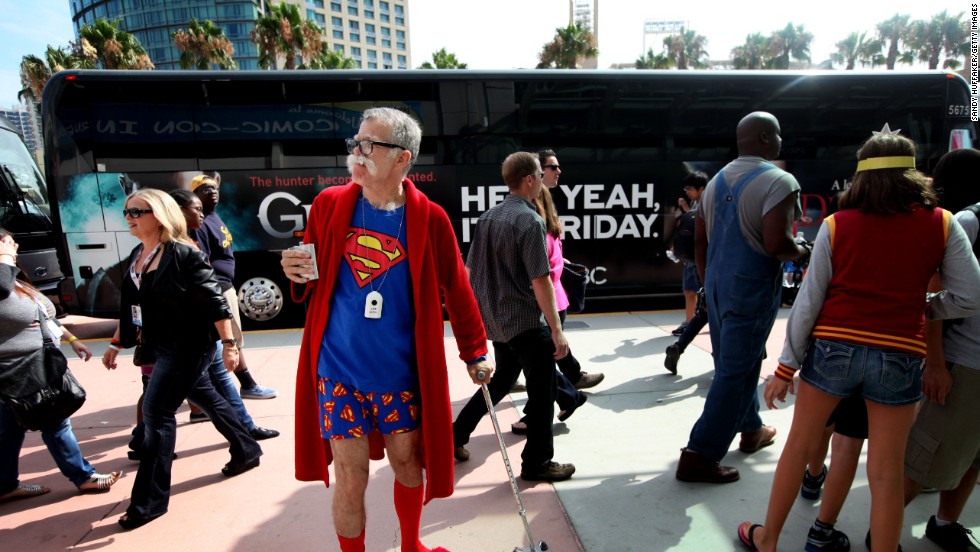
(541, 546)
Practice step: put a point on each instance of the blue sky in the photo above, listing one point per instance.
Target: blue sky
(511, 33)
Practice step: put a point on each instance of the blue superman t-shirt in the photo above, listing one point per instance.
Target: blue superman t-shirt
(372, 354)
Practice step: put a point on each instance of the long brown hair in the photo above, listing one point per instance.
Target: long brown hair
(546, 208)
(888, 191)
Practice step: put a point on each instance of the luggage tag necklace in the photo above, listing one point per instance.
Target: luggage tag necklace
(374, 301)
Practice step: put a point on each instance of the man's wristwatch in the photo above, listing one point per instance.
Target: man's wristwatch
(231, 341)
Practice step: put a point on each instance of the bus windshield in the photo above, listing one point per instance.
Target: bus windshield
(21, 178)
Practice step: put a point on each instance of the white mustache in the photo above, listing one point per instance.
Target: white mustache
(353, 160)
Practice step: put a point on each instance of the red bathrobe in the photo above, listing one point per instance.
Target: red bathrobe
(438, 274)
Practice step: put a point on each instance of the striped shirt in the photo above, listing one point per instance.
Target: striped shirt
(508, 251)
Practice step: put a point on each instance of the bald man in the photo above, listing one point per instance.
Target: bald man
(743, 234)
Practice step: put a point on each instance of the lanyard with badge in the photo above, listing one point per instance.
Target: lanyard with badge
(137, 278)
(43, 317)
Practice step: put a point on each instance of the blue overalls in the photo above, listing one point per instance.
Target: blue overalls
(742, 294)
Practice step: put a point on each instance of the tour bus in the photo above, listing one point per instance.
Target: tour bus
(624, 139)
(25, 212)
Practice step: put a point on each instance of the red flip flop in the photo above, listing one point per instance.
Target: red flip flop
(745, 531)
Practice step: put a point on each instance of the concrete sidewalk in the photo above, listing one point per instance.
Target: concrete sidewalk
(625, 443)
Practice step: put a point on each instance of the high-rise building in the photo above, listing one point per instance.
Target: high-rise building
(586, 12)
(152, 21)
(22, 118)
(374, 33)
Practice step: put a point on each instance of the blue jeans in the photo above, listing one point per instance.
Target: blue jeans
(177, 376)
(60, 441)
(569, 373)
(533, 352)
(225, 385)
(222, 381)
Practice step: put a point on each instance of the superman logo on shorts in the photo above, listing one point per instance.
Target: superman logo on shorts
(348, 413)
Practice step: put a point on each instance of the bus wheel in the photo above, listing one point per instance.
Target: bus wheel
(260, 299)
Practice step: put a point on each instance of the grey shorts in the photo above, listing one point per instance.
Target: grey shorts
(945, 440)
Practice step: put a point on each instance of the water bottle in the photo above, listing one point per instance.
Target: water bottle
(671, 256)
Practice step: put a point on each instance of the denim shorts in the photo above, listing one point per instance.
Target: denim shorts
(882, 376)
(691, 282)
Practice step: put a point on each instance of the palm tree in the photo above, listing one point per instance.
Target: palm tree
(870, 53)
(329, 58)
(893, 32)
(443, 60)
(570, 44)
(941, 34)
(283, 32)
(654, 61)
(849, 50)
(754, 54)
(687, 48)
(35, 72)
(112, 48)
(204, 45)
(790, 42)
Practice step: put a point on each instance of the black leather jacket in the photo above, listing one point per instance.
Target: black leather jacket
(180, 302)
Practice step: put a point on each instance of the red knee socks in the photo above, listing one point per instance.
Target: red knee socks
(355, 544)
(408, 506)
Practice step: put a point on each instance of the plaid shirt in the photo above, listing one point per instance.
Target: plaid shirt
(508, 251)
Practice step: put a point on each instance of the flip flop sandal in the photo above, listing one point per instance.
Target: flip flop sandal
(25, 491)
(100, 482)
(566, 414)
(745, 531)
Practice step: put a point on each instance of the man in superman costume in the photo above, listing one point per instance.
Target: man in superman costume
(372, 369)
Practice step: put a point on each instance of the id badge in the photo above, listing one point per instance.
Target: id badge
(137, 316)
(55, 330)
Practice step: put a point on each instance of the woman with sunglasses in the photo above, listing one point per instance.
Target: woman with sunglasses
(172, 304)
(22, 311)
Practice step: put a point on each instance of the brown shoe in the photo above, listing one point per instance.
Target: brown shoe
(552, 471)
(695, 468)
(761, 438)
(589, 380)
(461, 454)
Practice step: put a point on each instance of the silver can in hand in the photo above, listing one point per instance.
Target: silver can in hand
(311, 249)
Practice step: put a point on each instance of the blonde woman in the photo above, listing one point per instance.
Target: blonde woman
(172, 305)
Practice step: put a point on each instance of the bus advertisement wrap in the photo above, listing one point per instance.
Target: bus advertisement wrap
(625, 140)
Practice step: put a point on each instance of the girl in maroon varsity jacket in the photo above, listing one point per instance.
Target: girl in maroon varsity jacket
(857, 326)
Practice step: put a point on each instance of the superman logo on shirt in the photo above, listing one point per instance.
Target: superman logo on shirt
(370, 254)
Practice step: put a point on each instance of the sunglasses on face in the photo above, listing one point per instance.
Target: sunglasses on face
(552, 167)
(135, 213)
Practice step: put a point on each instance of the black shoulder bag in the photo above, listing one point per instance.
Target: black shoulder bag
(38, 387)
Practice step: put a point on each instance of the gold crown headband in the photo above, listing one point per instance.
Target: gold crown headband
(896, 162)
(875, 163)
